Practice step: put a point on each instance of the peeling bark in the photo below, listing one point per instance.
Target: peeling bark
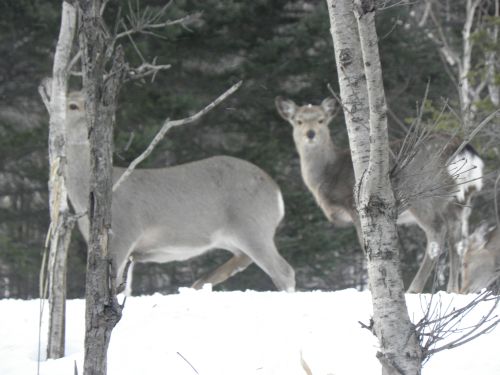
(352, 81)
(61, 223)
(400, 352)
(355, 37)
(102, 311)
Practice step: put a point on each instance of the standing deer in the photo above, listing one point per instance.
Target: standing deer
(176, 213)
(328, 173)
(481, 260)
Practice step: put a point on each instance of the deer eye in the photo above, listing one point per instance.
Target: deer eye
(73, 107)
(321, 120)
(299, 122)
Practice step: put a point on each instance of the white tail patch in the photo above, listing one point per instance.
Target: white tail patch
(467, 170)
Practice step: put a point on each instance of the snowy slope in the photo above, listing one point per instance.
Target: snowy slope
(219, 333)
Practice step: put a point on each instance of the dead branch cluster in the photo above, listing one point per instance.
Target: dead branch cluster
(443, 327)
(138, 21)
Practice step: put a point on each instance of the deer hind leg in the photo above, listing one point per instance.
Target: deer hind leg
(260, 247)
(455, 232)
(434, 226)
(236, 264)
(420, 279)
(266, 256)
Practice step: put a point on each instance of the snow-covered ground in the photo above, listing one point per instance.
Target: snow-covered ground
(234, 333)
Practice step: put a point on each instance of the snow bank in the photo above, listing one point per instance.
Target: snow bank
(219, 333)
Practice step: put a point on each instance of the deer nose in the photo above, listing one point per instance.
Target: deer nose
(310, 134)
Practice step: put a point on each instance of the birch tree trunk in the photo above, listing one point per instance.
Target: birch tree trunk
(102, 310)
(399, 352)
(61, 223)
(470, 86)
(352, 81)
(467, 93)
(492, 62)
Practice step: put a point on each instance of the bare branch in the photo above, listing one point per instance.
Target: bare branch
(495, 196)
(143, 21)
(103, 6)
(425, 14)
(473, 133)
(74, 60)
(167, 125)
(439, 324)
(189, 363)
(44, 91)
(304, 364)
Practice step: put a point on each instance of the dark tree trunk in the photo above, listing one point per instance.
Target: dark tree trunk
(101, 88)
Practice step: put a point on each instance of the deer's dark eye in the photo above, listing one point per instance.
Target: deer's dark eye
(73, 107)
(299, 122)
(321, 120)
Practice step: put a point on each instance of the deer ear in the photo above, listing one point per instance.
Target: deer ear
(329, 105)
(286, 108)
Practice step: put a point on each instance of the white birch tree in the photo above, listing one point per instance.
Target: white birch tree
(399, 351)
(474, 82)
(53, 92)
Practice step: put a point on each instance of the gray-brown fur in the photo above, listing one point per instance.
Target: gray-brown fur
(175, 213)
(328, 173)
(481, 261)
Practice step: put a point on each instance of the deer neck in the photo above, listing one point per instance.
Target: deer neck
(314, 162)
(77, 174)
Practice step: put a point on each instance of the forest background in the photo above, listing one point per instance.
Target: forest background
(280, 47)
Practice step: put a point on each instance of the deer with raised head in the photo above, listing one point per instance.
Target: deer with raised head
(481, 259)
(179, 212)
(328, 173)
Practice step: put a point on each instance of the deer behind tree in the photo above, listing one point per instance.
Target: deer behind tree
(481, 260)
(432, 170)
(176, 213)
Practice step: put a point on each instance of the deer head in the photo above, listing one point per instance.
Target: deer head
(310, 122)
(76, 132)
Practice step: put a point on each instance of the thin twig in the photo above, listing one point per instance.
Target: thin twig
(304, 364)
(189, 363)
(74, 60)
(43, 91)
(142, 26)
(440, 323)
(167, 125)
(473, 133)
(495, 193)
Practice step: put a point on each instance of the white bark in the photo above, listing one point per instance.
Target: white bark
(60, 228)
(467, 94)
(461, 61)
(356, 51)
(352, 81)
(400, 352)
(492, 61)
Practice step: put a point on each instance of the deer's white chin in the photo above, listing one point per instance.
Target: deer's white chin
(310, 142)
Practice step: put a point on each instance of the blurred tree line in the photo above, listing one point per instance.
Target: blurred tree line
(280, 47)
